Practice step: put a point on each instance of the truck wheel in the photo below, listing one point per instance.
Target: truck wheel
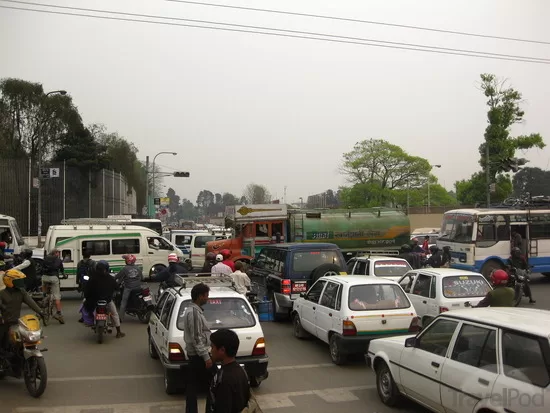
(325, 270)
(489, 267)
(386, 387)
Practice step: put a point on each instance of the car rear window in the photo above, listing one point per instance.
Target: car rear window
(465, 286)
(228, 312)
(377, 297)
(307, 261)
(183, 240)
(388, 268)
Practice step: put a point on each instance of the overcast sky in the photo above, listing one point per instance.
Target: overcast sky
(241, 108)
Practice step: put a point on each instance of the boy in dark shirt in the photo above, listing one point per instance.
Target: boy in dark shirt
(229, 391)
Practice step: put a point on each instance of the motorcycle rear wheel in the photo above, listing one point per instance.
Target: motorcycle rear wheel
(35, 370)
(99, 333)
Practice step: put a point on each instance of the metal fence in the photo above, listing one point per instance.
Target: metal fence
(74, 193)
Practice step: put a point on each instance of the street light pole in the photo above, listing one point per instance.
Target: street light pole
(154, 159)
(39, 153)
(429, 200)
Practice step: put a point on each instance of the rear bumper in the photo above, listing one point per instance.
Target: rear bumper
(360, 344)
(254, 366)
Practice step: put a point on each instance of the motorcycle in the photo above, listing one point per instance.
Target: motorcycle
(140, 303)
(103, 322)
(24, 356)
(518, 281)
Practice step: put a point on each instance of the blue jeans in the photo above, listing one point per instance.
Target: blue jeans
(124, 302)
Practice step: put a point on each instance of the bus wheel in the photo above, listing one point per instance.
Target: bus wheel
(489, 267)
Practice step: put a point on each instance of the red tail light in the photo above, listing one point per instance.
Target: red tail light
(348, 328)
(415, 325)
(145, 291)
(259, 347)
(443, 309)
(175, 352)
(286, 287)
(100, 310)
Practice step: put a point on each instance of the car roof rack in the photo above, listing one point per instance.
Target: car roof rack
(96, 221)
(190, 280)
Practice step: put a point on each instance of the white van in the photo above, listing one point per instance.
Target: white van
(198, 248)
(109, 243)
(10, 231)
(182, 238)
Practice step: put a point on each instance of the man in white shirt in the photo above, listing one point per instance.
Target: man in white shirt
(241, 279)
(220, 268)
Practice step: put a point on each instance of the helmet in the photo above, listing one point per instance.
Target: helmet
(499, 277)
(102, 266)
(27, 253)
(14, 279)
(210, 256)
(225, 254)
(3, 245)
(129, 258)
(516, 251)
(173, 258)
(433, 248)
(406, 248)
(219, 257)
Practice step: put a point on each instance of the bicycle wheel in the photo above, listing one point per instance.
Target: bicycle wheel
(46, 305)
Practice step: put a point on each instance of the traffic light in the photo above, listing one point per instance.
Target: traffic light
(181, 174)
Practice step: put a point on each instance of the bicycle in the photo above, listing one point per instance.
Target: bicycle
(48, 303)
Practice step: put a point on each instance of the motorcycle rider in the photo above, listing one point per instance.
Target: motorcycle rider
(501, 295)
(407, 254)
(12, 296)
(102, 286)
(168, 275)
(226, 254)
(53, 267)
(130, 277)
(446, 257)
(209, 262)
(241, 279)
(436, 259)
(518, 261)
(28, 267)
(84, 267)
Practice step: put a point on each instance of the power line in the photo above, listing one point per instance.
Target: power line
(278, 30)
(403, 26)
(361, 42)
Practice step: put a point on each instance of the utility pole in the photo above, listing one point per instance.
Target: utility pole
(488, 173)
(147, 186)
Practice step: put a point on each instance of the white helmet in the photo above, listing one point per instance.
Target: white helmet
(219, 257)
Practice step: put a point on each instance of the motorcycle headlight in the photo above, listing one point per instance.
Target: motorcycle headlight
(30, 336)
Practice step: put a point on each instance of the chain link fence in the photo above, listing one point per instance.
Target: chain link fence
(70, 193)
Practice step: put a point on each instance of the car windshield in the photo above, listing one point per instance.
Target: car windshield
(307, 261)
(465, 286)
(457, 227)
(389, 268)
(377, 297)
(226, 312)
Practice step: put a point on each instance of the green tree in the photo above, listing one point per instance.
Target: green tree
(474, 190)
(229, 199)
(31, 122)
(174, 202)
(78, 148)
(204, 200)
(532, 180)
(257, 194)
(418, 197)
(187, 210)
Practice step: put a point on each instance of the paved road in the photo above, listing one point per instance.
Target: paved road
(119, 376)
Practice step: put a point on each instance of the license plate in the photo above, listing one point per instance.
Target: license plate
(148, 298)
(299, 288)
(101, 317)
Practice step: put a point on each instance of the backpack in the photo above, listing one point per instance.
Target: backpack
(86, 268)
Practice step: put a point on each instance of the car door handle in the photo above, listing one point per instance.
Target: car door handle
(424, 302)
(483, 381)
(434, 364)
(152, 253)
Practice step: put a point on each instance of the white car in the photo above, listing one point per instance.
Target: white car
(436, 290)
(392, 268)
(225, 309)
(346, 312)
(480, 360)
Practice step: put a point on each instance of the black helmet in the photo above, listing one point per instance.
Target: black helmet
(102, 266)
(516, 251)
(406, 248)
(26, 254)
(433, 249)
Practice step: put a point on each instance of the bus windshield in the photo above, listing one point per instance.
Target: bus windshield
(457, 227)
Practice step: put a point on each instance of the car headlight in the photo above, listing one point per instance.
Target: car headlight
(30, 336)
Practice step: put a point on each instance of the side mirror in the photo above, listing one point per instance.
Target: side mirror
(467, 304)
(411, 342)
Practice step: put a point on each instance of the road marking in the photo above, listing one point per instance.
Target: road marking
(266, 402)
(157, 376)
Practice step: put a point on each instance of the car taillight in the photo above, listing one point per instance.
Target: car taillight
(348, 328)
(175, 352)
(286, 287)
(443, 309)
(259, 347)
(100, 310)
(415, 325)
(145, 291)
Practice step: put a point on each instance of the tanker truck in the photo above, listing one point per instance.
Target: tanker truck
(378, 231)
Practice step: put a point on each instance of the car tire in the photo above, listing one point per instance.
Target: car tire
(172, 381)
(323, 270)
(335, 351)
(152, 350)
(255, 382)
(298, 330)
(386, 387)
